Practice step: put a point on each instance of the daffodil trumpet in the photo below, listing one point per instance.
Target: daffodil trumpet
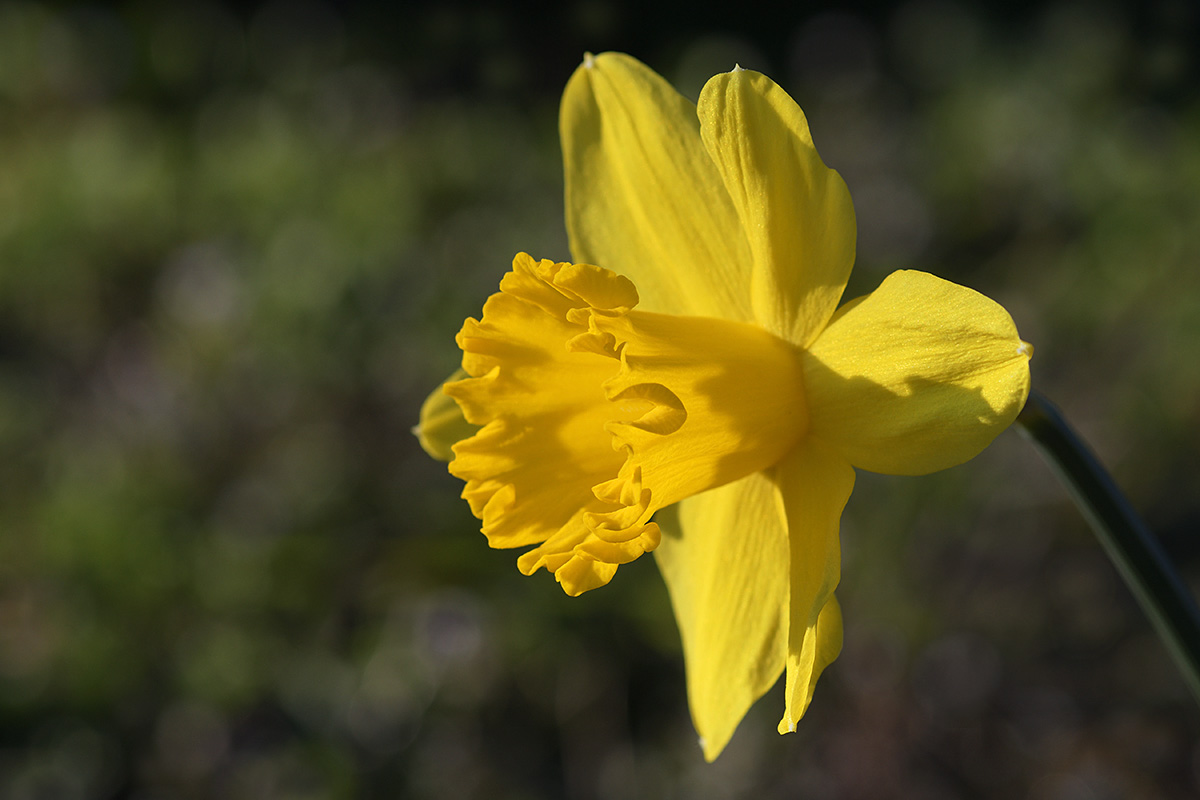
(691, 384)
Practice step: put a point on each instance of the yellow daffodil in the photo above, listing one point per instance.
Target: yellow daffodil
(690, 386)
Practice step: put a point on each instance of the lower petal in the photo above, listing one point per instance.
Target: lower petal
(917, 376)
(820, 645)
(815, 483)
(724, 557)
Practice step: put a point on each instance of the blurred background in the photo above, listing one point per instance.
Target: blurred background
(236, 241)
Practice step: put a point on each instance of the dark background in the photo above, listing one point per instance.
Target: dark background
(235, 244)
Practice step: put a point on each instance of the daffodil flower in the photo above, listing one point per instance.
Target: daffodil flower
(690, 386)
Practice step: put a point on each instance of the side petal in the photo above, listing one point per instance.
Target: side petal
(796, 211)
(442, 423)
(724, 556)
(642, 196)
(815, 483)
(917, 376)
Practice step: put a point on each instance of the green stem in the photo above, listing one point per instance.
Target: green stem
(1132, 548)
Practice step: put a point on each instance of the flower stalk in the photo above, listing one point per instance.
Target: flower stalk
(1129, 544)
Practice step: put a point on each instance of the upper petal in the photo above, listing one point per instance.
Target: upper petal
(724, 557)
(796, 211)
(642, 196)
(917, 376)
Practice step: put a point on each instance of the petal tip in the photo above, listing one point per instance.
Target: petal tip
(709, 752)
(442, 424)
(589, 60)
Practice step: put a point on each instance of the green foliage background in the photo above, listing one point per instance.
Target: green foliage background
(235, 245)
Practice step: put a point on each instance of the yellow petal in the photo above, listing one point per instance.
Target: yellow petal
(642, 196)
(819, 646)
(917, 376)
(815, 483)
(442, 424)
(724, 557)
(796, 211)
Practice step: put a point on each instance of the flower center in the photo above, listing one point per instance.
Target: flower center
(596, 415)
